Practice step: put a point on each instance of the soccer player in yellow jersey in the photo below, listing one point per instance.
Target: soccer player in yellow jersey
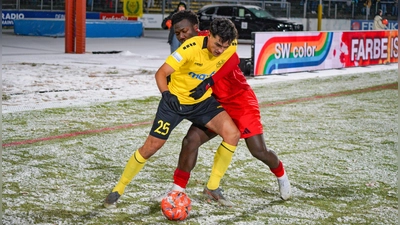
(195, 60)
(231, 89)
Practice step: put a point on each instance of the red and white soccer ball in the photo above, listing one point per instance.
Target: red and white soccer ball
(176, 206)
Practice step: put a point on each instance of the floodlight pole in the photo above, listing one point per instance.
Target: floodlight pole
(319, 15)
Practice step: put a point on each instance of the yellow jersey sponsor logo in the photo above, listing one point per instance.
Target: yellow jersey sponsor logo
(200, 76)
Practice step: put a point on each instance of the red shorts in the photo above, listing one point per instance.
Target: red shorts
(245, 112)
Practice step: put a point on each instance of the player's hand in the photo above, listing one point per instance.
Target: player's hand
(172, 101)
(199, 91)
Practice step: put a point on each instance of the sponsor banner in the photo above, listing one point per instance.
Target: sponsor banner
(115, 16)
(152, 20)
(369, 48)
(8, 16)
(282, 52)
(288, 52)
(133, 8)
(368, 24)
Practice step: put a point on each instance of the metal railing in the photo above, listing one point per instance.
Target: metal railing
(345, 9)
(279, 7)
(276, 8)
(335, 9)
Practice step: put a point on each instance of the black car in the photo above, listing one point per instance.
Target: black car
(247, 19)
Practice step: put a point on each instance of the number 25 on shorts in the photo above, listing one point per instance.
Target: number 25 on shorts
(163, 129)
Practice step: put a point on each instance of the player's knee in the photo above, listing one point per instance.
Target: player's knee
(151, 146)
(191, 141)
(232, 136)
(236, 135)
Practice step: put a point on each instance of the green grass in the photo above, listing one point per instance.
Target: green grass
(339, 153)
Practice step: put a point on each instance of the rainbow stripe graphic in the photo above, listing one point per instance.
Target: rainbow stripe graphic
(287, 52)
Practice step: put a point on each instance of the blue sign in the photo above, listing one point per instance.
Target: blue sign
(8, 16)
(368, 25)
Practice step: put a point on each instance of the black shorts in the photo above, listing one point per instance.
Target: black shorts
(167, 119)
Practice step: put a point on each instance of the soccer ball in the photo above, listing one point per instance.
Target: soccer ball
(176, 206)
(385, 21)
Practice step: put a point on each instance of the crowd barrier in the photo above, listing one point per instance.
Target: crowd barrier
(94, 28)
(45, 23)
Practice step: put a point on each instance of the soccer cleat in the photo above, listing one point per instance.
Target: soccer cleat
(174, 187)
(284, 187)
(160, 197)
(216, 195)
(111, 200)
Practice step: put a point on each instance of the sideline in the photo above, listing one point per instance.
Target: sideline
(106, 129)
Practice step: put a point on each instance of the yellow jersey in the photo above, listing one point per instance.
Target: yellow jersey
(193, 63)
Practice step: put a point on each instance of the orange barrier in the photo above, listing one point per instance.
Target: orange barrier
(69, 26)
(75, 26)
(80, 26)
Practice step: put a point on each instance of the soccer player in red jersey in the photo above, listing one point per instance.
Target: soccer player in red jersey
(232, 91)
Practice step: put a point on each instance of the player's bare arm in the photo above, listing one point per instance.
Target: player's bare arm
(161, 77)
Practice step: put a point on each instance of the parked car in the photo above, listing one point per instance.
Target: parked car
(247, 19)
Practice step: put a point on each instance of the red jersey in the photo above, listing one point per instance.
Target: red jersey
(230, 85)
(236, 96)
(229, 79)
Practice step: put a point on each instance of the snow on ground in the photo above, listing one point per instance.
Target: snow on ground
(37, 74)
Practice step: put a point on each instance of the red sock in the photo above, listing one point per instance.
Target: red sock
(278, 171)
(181, 178)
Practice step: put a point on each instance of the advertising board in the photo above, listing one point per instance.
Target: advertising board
(277, 52)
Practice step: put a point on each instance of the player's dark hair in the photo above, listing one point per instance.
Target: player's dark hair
(224, 28)
(185, 14)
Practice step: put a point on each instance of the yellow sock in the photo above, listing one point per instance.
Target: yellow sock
(222, 159)
(134, 165)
